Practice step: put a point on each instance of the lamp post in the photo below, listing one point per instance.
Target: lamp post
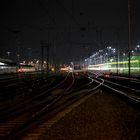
(8, 55)
(129, 37)
(137, 49)
(109, 51)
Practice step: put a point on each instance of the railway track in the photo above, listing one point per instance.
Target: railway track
(128, 89)
(48, 103)
(24, 88)
(24, 112)
(38, 90)
(36, 111)
(37, 101)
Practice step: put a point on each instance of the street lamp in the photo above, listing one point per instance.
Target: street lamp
(109, 50)
(137, 48)
(129, 36)
(132, 52)
(106, 57)
(8, 54)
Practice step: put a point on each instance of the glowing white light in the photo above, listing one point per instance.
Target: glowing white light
(109, 47)
(132, 51)
(114, 49)
(2, 64)
(111, 60)
(100, 50)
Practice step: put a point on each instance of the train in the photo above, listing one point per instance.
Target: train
(25, 68)
(117, 67)
(7, 68)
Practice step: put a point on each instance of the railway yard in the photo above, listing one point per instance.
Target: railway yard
(69, 105)
(70, 70)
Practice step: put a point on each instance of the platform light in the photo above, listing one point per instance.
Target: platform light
(114, 50)
(111, 60)
(37, 61)
(123, 54)
(109, 47)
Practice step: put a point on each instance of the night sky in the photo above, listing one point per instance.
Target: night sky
(73, 29)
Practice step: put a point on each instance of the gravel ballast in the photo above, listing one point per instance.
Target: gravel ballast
(103, 116)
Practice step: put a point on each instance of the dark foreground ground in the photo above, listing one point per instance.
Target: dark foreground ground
(102, 116)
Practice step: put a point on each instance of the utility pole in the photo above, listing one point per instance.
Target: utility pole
(54, 55)
(29, 55)
(8, 54)
(129, 37)
(117, 47)
(48, 49)
(42, 54)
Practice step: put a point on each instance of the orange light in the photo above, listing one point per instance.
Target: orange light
(19, 70)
